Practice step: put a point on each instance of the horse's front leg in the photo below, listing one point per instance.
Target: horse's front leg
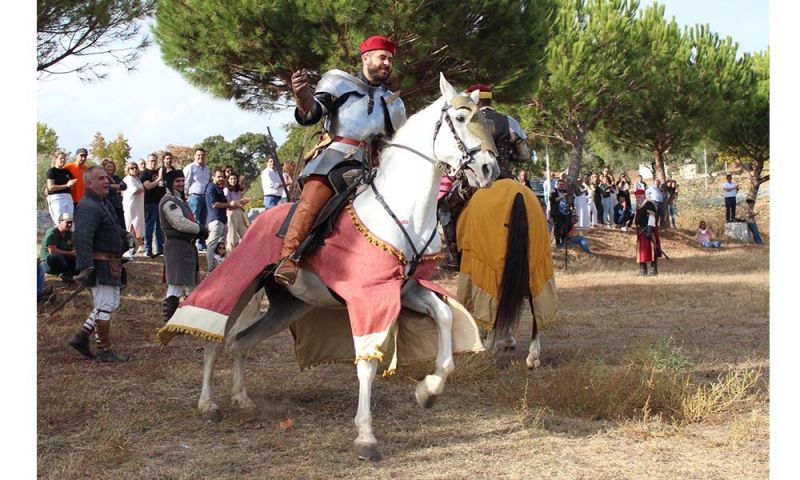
(206, 405)
(366, 445)
(425, 301)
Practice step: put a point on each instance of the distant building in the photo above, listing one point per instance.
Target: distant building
(689, 170)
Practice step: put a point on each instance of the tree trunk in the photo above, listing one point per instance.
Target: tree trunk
(755, 178)
(661, 171)
(661, 174)
(575, 162)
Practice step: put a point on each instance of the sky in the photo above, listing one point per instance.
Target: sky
(154, 106)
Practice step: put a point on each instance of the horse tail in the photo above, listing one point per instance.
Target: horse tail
(514, 284)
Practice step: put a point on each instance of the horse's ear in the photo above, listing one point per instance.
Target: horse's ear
(475, 95)
(448, 92)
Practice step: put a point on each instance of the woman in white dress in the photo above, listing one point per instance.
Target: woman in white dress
(582, 205)
(237, 220)
(592, 199)
(133, 204)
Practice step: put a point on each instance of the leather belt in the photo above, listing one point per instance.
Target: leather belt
(105, 256)
(350, 141)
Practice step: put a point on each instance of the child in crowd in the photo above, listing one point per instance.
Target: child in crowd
(750, 218)
(219, 253)
(705, 237)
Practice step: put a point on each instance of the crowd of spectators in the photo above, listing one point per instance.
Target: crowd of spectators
(600, 199)
(217, 201)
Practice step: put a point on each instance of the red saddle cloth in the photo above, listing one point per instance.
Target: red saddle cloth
(365, 271)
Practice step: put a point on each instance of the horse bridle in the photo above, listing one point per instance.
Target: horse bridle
(467, 157)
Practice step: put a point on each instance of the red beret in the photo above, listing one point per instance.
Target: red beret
(485, 90)
(377, 42)
(638, 192)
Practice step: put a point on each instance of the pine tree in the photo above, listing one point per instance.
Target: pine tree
(247, 51)
(86, 36)
(743, 131)
(685, 78)
(589, 68)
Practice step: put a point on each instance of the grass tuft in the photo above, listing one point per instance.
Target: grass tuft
(653, 383)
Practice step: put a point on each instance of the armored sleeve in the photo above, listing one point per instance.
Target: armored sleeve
(323, 104)
(174, 215)
(518, 140)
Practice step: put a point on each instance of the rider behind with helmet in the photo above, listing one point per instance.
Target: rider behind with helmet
(356, 111)
(509, 138)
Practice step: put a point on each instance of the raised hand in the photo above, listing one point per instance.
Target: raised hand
(302, 91)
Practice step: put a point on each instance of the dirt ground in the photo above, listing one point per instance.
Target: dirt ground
(139, 419)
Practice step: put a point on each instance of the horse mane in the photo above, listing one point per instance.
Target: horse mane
(405, 130)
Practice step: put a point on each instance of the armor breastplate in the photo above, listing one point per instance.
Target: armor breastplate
(353, 118)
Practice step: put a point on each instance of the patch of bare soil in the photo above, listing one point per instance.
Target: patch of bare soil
(496, 419)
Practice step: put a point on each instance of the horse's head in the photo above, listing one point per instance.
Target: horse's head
(469, 145)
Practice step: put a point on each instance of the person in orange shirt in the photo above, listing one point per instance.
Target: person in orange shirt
(77, 168)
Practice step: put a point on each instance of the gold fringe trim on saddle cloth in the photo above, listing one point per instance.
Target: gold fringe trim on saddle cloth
(371, 238)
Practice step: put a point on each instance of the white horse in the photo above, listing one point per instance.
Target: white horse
(450, 132)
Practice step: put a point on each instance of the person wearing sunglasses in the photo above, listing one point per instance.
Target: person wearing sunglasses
(57, 253)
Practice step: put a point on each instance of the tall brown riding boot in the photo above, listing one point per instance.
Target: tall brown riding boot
(104, 352)
(315, 195)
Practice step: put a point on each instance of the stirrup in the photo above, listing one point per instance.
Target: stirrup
(286, 271)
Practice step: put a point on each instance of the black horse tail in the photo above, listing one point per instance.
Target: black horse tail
(514, 284)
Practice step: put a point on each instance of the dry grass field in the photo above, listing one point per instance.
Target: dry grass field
(641, 378)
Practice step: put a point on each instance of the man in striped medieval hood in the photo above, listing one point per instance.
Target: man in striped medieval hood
(181, 265)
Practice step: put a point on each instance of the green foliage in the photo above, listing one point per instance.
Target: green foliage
(743, 131)
(98, 150)
(589, 71)
(43, 162)
(246, 154)
(247, 50)
(684, 77)
(46, 140)
(85, 36)
(118, 150)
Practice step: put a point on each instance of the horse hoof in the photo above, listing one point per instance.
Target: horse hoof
(367, 451)
(532, 363)
(423, 397)
(211, 414)
(244, 403)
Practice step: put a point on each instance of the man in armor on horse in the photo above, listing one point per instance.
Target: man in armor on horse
(357, 112)
(509, 138)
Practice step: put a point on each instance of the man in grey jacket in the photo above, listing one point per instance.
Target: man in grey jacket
(100, 242)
